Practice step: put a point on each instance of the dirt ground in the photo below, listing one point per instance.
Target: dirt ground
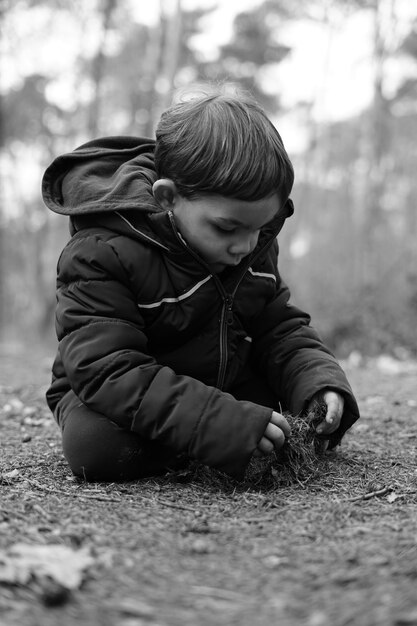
(196, 549)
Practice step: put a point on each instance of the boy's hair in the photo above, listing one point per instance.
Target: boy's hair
(222, 143)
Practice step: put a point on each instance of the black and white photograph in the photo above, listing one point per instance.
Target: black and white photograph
(208, 313)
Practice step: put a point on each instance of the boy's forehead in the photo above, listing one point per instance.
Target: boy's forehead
(245, 213)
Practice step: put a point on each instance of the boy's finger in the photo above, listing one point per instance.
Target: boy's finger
(334, 412)
(265, 446)
(324, 428)
(334, 407)
(275, 435)
(280, 421)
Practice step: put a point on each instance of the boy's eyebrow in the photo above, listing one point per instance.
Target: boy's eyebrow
(232, 221)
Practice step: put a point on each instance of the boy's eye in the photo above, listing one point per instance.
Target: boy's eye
(223, 229)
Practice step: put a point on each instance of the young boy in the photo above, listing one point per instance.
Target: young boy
(176, 336)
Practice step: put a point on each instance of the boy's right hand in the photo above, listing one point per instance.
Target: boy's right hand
(274, 436)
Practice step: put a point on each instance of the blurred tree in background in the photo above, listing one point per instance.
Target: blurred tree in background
(359, 202)
(349, 253)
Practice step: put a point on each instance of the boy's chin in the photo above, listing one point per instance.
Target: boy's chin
(216, 268)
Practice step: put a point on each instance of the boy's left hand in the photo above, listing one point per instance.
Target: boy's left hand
(335, 405)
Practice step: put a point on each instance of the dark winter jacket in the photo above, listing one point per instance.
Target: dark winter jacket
(154, 341)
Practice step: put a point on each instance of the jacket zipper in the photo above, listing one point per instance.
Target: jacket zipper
(226, 317)
(226, 320)
(227, 313)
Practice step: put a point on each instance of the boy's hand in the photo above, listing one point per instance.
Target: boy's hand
(335, 405)
(274, 436)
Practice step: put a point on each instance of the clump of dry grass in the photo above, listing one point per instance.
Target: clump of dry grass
(299, 459)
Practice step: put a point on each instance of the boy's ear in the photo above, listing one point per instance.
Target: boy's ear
(165, 192)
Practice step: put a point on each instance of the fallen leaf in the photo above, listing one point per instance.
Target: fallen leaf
(64, 565)
(12, 474)
(392, 497)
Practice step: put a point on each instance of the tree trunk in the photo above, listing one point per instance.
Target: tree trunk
(98, 66)
(3, 268)
(170, 58)
(169, 51)
(376, 148)
(149, 80)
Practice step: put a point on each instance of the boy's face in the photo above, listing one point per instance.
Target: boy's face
(222, 230)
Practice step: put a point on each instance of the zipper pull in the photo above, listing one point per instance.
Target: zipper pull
(229, 312)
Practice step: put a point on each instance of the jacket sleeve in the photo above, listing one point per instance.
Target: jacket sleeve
(104, 351)
(293, 357)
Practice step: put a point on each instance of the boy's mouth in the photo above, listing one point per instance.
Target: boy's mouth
(219, 266)
(233, 263)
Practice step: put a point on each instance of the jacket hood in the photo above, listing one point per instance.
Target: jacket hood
(107, 174)
(113, 177)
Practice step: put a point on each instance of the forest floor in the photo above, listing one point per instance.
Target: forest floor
(194, 548)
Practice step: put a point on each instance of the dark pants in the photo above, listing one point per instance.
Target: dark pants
(97, 449)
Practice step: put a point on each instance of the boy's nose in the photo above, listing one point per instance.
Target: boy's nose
(244, 245)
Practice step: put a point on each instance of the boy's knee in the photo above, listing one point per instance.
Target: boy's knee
(97, 449)
(101, 451)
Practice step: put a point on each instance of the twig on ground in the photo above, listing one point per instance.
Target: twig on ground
(176, 506)
(371, 494)
(103, 498)
(82, 496)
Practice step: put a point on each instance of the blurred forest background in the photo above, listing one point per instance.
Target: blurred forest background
(72, 71)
